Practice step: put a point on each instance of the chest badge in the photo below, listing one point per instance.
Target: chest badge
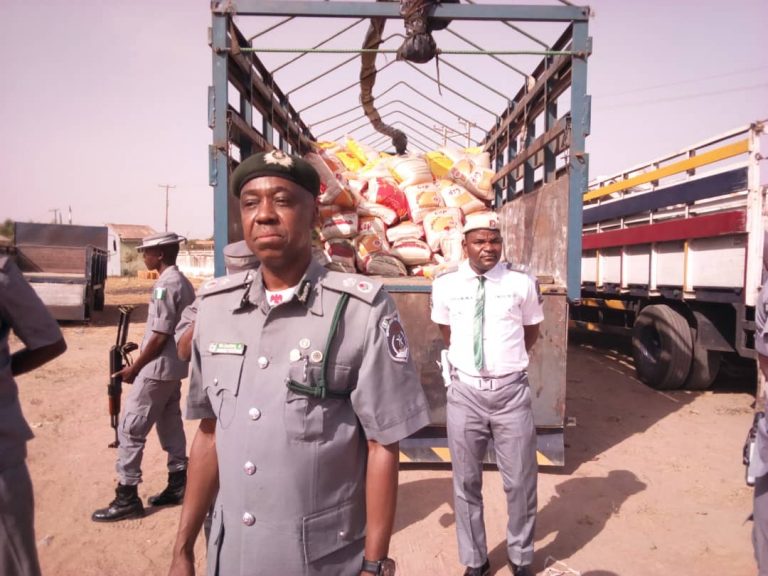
(294, 355)
(316, 356)
(304, 343)
(397, 343)
(235, 348)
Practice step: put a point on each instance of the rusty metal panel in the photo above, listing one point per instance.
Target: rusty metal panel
(60, 234)
(535, 231)
(547, 367)
(546, 370)
(425, 343)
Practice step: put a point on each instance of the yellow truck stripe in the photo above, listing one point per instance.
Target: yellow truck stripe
(729, 151)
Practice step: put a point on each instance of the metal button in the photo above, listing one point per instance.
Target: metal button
(250, 468)
(254, 413)
(342, 533)
(263, 362)
(248, 519)
(215, 381)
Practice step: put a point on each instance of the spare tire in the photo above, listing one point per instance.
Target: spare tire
(662, 346)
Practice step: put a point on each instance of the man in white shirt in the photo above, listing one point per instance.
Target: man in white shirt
(489, 315)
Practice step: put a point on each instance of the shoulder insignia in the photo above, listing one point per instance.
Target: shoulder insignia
(159, 293)
(394, 334)
(361, 287)
(225, 283)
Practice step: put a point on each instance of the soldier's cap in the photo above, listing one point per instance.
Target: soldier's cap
(276, 163)
(161, 239)
(486, 220)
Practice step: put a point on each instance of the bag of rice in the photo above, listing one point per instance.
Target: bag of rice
(423, 198)
(372, 224)
(382, 264)
(341, 225)
(384, 191)
(412, 252)
(367, 244)
(330, 187)
(341, 252)
(387, 215)
(439, 164)
(411, 170)
(438, 223)
(474, 178)
(451, 246)
(405, 230)
(456, 196)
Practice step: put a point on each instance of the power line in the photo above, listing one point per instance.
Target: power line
(684, 97)
(678, 83)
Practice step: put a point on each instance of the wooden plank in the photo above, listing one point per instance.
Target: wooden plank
(722, 153)
(683, 229)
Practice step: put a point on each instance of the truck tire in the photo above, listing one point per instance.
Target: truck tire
(704, 368)
(662, 347)
(98, 300)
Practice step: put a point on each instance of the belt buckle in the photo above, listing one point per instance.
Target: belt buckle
(487, 383)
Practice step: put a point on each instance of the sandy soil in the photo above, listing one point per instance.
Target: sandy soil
(653, 482)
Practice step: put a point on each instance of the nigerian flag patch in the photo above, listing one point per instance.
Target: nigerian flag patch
(159, 293)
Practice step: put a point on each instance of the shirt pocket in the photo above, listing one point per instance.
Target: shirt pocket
(333, 529)
(306, 414)
(221, 375)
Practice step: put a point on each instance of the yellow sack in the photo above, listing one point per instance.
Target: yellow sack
(439, 163)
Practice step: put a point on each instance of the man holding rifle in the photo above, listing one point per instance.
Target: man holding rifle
(154, 398)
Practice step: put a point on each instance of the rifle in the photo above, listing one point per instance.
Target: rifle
(119, 357)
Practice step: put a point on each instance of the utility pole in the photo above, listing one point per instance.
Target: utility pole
(56, 215)
(469, 125)
(167, 187)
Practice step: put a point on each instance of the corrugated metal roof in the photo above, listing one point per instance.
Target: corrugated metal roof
(132, 231)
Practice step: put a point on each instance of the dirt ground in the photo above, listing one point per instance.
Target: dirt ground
(653, 482)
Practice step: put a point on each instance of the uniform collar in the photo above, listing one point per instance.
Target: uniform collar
(494, 274)
(167, 268)
(307, 292)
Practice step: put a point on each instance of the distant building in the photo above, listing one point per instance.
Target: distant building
(123, 239)
(196, 258)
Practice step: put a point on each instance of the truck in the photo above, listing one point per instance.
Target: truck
(673, 257)
(535, 137)
(65, 264)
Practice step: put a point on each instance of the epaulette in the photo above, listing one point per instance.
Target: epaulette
(361, 287)
(225, 283)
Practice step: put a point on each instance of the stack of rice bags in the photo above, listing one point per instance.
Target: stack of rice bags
(396, 215)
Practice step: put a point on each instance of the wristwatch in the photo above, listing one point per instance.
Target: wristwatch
(383, 567)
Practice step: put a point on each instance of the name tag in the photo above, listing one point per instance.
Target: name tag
(226, 348)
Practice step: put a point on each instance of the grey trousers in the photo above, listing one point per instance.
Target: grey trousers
(18, 553)
(150, 402)
(760, 526)
(473, 418)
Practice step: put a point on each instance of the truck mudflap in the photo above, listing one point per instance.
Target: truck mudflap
(431, 447)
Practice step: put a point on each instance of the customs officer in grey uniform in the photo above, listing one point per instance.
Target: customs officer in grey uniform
(760, 512)
(156, 392)
(303, 383)
(22, 311)
(488, 396)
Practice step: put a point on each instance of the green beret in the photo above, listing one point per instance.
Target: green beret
(275, 163)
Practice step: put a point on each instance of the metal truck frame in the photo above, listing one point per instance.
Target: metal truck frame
(673, 256)
(537, 150)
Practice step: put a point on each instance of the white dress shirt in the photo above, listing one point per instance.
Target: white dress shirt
(511, 302)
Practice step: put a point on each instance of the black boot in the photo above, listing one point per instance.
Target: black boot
(173, 493)
(126, 504)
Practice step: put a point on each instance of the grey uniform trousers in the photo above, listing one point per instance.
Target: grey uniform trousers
(760, 526)
(473, 418)
(151, 402)
(18, 554)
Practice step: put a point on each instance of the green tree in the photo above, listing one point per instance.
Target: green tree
(6, 229)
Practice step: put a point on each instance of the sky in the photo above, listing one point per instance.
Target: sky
(104, 102)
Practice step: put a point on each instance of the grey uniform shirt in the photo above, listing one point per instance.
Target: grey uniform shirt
(22, 311)
(291, 466)
(761, 346)
(171, 294)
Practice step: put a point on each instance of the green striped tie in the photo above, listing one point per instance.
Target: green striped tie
(479, 321)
